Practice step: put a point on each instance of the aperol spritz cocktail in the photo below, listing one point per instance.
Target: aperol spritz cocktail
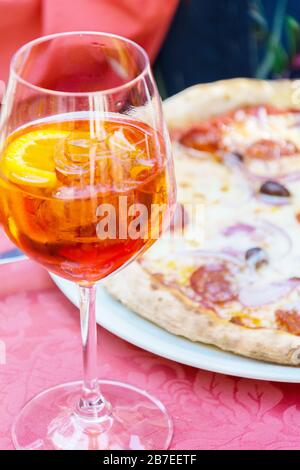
(79, 222)
(86, 185)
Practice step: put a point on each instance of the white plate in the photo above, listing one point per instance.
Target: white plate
(122, 322)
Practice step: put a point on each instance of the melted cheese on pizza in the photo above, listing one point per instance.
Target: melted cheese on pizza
(213, 248)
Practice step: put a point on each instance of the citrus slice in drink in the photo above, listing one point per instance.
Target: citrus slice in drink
(29, 158)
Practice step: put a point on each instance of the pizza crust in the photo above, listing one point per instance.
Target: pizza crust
(159, 304)
(152, 301)
(211, 99)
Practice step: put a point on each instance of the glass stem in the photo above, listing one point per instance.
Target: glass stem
(92, 403)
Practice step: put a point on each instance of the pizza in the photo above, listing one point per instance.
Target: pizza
(233, 280)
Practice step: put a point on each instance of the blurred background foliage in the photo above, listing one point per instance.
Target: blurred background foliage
(219, 39)
(276, 41)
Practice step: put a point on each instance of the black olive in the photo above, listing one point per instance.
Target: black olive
(256, 257)
(273, 188)
(235, 157)
(239, 156)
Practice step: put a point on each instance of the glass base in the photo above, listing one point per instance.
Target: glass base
(137, 421)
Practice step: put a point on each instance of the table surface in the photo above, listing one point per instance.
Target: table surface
(40, 330)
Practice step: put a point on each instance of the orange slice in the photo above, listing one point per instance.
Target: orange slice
(29, 158)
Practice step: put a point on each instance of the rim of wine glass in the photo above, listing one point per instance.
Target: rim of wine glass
(129, 83)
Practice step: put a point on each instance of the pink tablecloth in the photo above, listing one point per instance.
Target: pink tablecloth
(40, 329)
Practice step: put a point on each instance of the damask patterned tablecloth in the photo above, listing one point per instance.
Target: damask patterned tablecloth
(40, 330)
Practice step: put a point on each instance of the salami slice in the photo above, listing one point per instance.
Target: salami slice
(288, 320)
(205, 137)
(266, 149)
(214, 283)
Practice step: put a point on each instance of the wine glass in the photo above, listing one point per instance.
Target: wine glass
(87, 184)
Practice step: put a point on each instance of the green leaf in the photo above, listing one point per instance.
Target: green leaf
(259, 20)
(258, 6)
(276, 58)
(259, 24)
(275, 61)
(280, 59)
(279, 20)
(264, 69)
(293, 34)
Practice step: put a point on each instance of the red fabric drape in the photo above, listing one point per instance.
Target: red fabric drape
(144, 21)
